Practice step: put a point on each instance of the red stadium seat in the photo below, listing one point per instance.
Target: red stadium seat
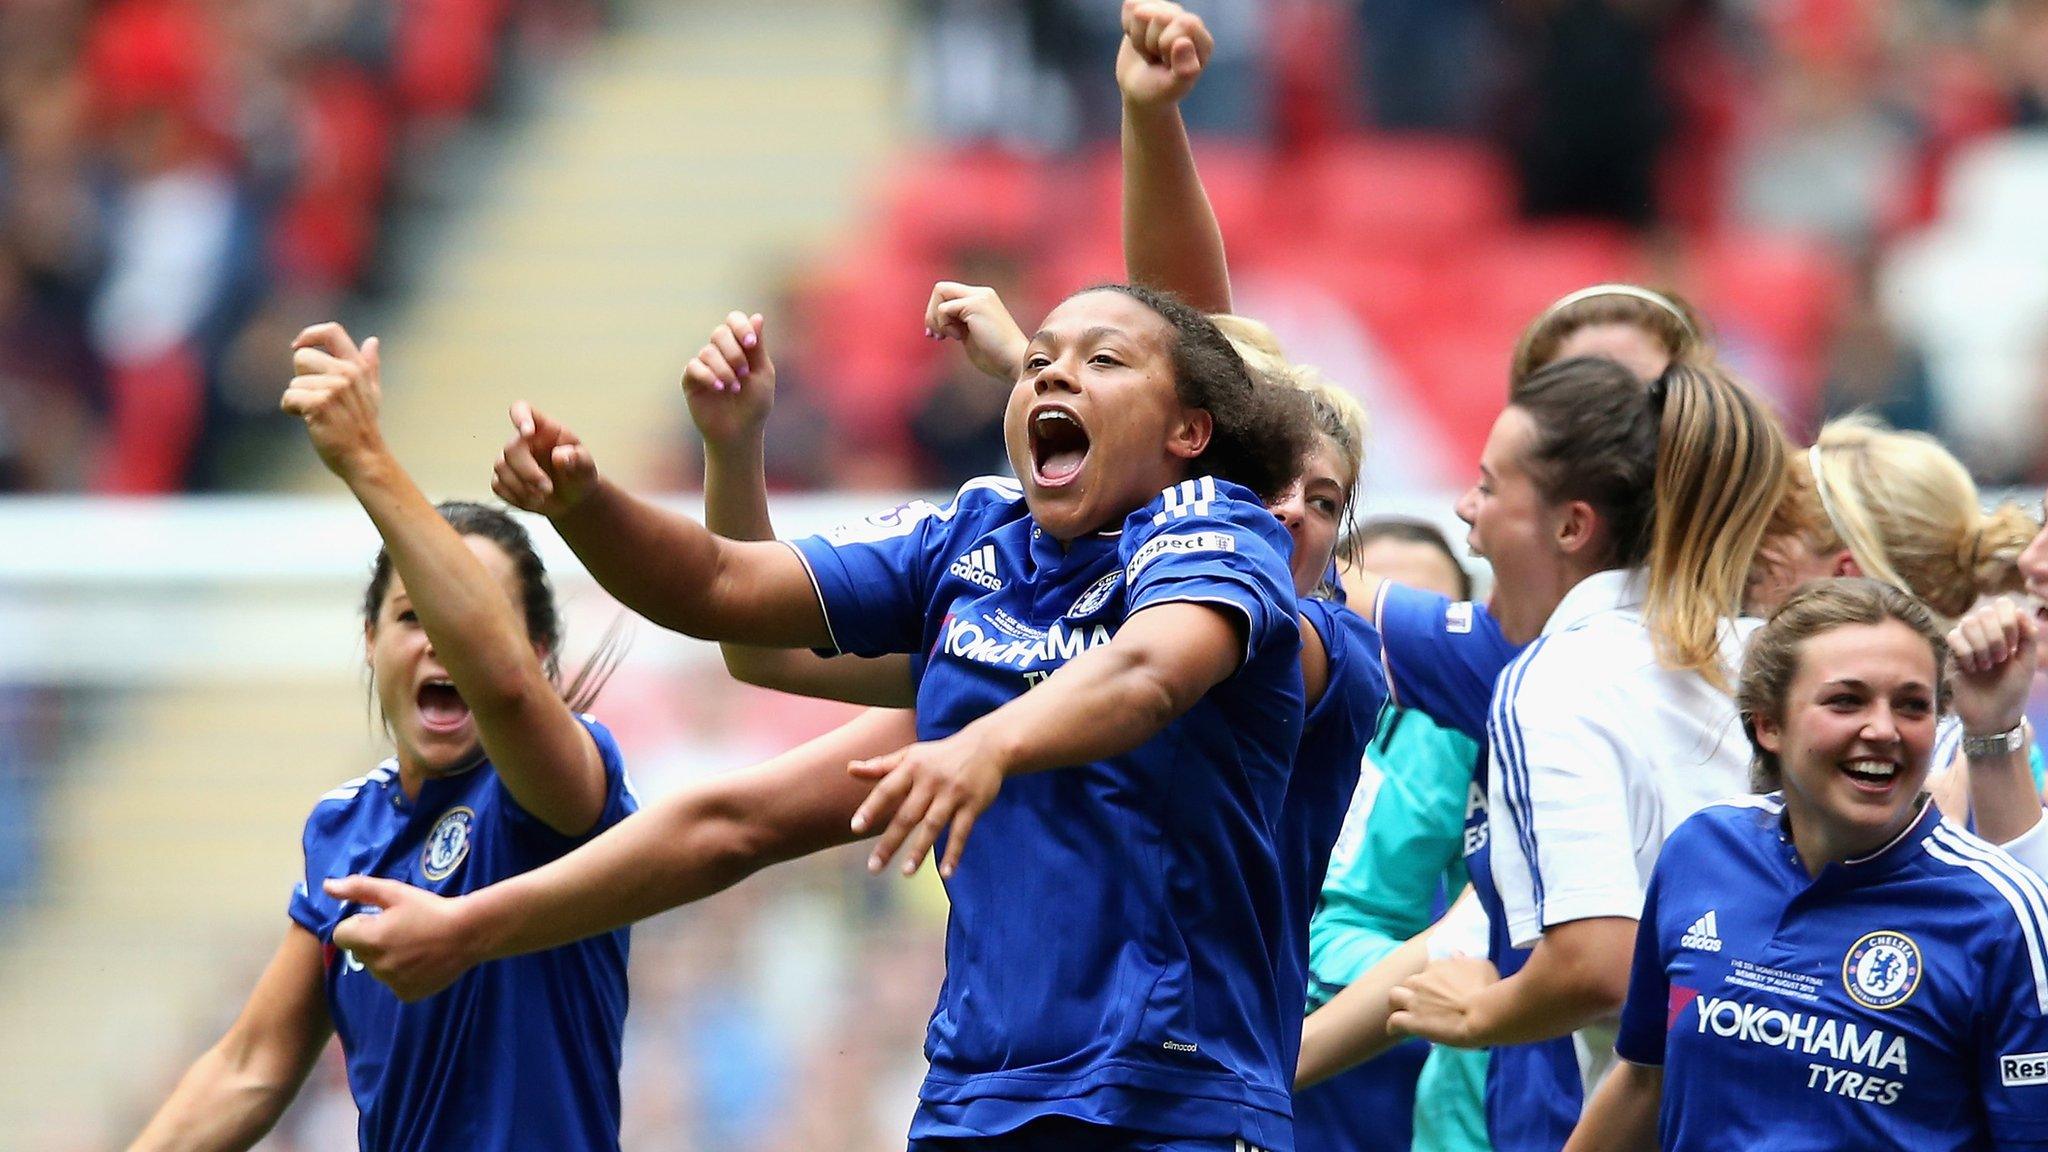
(942, 201)
(867, 350)
(1398, 193)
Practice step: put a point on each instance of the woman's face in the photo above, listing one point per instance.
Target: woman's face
(425, 713)
(1785, 562)
(1512, 525)
(1094, 427)
(1312, 508)
(1625, 344)
(1857, 733)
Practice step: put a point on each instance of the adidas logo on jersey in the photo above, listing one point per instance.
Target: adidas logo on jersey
(979, 567)
(1704, 935)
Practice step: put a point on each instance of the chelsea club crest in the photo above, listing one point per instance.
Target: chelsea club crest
(1882, 969)
(447, 844)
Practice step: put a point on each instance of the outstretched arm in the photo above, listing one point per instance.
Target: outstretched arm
(544, 756)
(1352, 1027)
(1577, 974)
(234, 1093)
(1102, 703)
(1171, 237)
(665, 566)
(730, 387)
(701, 840)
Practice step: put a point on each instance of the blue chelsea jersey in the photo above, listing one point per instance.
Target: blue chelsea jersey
(1896, 1001)
(521, 1053)
(1114, 927)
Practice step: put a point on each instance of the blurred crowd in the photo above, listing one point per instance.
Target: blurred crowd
(1901, 138)
(182, 179)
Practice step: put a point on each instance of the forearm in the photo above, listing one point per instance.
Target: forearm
(2002, 797)
(216, 1107)
(477, 635)
(1352, 1027)
(683, 577)
(736, 491)
(1622, 1115)
(1103, 703)
(1171, 237)
(1568, 983)
(695, 843)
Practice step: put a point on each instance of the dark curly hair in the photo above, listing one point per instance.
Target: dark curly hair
(1262, 430)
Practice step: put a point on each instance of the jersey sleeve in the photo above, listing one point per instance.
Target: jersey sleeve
(875, 578)
(1226, 552)
(2012, 1008)
(303, 909)
(1557, 806)
(620, 800)
(1646, 1013)
(1441, 656)
(1395, 850)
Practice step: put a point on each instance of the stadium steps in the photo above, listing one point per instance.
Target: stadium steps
(670, 176)
(173, 846)
(673, 182)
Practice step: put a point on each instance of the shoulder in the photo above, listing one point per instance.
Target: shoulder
(1204, 503)
(1350, 639)
(1734, 819)
(2008, 900)
(341, 806)
(979, 504)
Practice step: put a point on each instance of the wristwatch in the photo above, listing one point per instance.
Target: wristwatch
(1996, 743)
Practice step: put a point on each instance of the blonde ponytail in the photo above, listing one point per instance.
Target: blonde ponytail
(1721, 474)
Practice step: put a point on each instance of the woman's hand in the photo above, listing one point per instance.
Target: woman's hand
(1164, 51)
(1436, 1004)
(410, 939)
(544, 467)
(335, 390)
(939, 786)
(976, 317)
(1997, 650)
(730, 383)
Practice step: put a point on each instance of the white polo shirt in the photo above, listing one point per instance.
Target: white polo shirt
(1597, 754)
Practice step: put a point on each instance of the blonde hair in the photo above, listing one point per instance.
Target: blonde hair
(1909, 513)
(1333, 412)
(1722, 460)
(1684, 476)
(1772, 660)
(1666, 316)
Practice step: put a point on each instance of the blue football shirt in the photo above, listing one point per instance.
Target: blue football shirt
(1895, 1001)
(518, 1054)
(1114, 927)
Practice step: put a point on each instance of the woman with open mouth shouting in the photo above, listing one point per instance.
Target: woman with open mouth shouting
(1124, 612)
(495, 773)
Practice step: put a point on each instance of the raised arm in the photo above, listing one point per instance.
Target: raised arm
(730, 387)
(1102, 703)
(543, 755)
(665, 566)
(234, 1093)
(698, 841)
(1171, 237)
(1997, 651)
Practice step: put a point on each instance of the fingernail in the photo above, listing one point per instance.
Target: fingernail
(860, 823)
(751, 340)
(910, 868)
(874, 865)
(745, 369)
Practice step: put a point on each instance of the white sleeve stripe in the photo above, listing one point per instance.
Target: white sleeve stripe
(1772, 804)
(818, 590)
(1948, 740)
(1515, 782)
(2010, 881)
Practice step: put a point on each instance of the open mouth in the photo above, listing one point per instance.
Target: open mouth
(440, 706)
(1877, 777)
(1059, 446)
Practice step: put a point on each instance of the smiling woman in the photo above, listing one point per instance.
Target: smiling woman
(1833, 965)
